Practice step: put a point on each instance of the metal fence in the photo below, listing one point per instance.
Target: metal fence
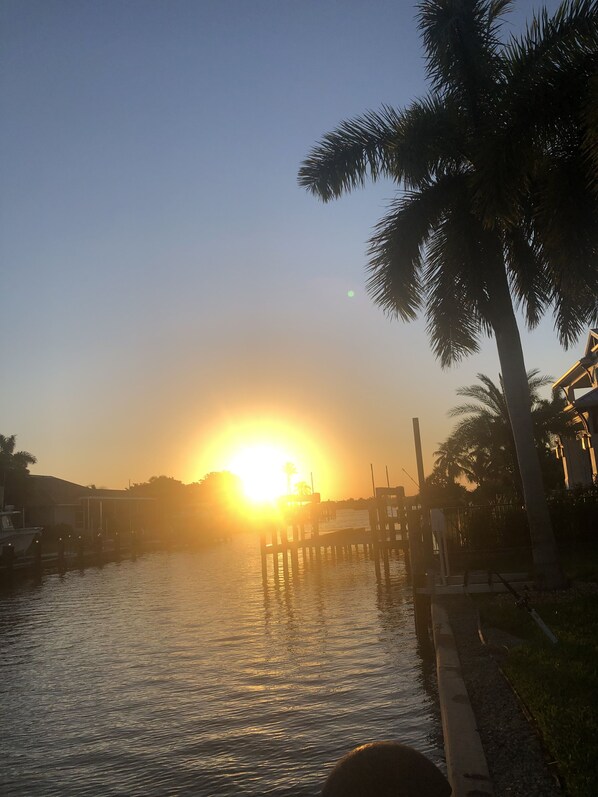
(491, 527)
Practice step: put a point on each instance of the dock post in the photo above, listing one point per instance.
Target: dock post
(37, 556)
(275, 552)
(295, 548)
(8, 557)
(61, 554)
(385, 557)
(315, 535)
(264, 558)
(421, 601)
(375, 548)
(98, 547)
(284, 544)
(302, 541)
(383, 526)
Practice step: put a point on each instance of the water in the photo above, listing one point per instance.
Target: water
(178, 674)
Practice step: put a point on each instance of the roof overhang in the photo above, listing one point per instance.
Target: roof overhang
(578, 375)
(587, 400)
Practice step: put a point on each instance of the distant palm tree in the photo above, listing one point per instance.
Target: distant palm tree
(303, 489)
(498, 205)
(11, 459)
(14, 467)
(290, 471)
(481, 447)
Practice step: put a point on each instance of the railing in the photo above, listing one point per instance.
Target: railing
(491, 527)
(487, 537)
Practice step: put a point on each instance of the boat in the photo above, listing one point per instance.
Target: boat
(18, 538)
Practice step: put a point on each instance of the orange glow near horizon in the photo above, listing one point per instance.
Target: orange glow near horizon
(257, 451)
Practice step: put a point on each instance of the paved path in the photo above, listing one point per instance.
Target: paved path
(516, 761)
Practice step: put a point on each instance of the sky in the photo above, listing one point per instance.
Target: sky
(170, 296)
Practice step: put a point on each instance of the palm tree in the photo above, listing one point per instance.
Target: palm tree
(457, 242)
(449, 460)
(302, 489)
(290, 471)
(482, 447)
(14, 467)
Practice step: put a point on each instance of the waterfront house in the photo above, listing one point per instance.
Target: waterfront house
(53, 501)
(577, 452)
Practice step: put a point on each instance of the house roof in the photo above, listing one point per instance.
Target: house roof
(587, 400)
(52, 491)
(577, 376)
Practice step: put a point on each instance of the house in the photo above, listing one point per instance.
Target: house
(580, 386)
(52, 501)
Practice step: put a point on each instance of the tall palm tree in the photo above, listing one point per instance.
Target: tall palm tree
(456, 241)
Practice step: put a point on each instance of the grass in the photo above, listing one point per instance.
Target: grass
(581, 562)
(559, 683)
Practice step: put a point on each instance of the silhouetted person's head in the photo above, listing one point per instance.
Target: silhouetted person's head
(385, 769)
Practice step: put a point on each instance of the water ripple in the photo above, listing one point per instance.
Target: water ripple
(177, 674)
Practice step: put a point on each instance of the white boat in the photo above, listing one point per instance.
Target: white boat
(19, 539)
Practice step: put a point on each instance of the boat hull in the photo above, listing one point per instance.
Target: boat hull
(20, 540)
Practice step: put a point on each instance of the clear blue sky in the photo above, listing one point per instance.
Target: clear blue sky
(165, 280)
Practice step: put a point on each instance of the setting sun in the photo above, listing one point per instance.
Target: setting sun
(261, 470)
(272, 456)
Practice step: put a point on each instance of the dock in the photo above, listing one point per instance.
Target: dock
(393, 525)
(74, 553)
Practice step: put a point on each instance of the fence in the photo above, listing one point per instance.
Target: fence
(498, 534)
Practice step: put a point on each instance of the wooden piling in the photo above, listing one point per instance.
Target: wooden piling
(264, 558)
(421, 602)
(60, 554)
(373, 518)
(284, 544)
(98, 547)
(37, 556)
(295, 549)
(8, 557)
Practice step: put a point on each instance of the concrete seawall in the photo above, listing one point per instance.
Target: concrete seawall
(467, 768)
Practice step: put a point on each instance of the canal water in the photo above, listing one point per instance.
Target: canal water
(181, 674)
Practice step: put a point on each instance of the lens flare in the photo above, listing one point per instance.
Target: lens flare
(261, 470)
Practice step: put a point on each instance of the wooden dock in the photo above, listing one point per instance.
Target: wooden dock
(393, 524)
(76, 553)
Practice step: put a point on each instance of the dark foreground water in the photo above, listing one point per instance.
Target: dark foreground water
(179, 674)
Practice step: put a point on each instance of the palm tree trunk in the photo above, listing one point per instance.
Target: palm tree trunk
(548, 573)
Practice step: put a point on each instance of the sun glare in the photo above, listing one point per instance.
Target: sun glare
(261, 470)
(271, 456)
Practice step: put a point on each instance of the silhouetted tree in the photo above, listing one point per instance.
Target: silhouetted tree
(14, 470)
(498, 166)
(290, 471)
(221, 488)
(303, 489)
(162, 488)
(482, 449)
(441, 492)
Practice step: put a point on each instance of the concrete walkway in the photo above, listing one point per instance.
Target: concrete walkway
(467, 768)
